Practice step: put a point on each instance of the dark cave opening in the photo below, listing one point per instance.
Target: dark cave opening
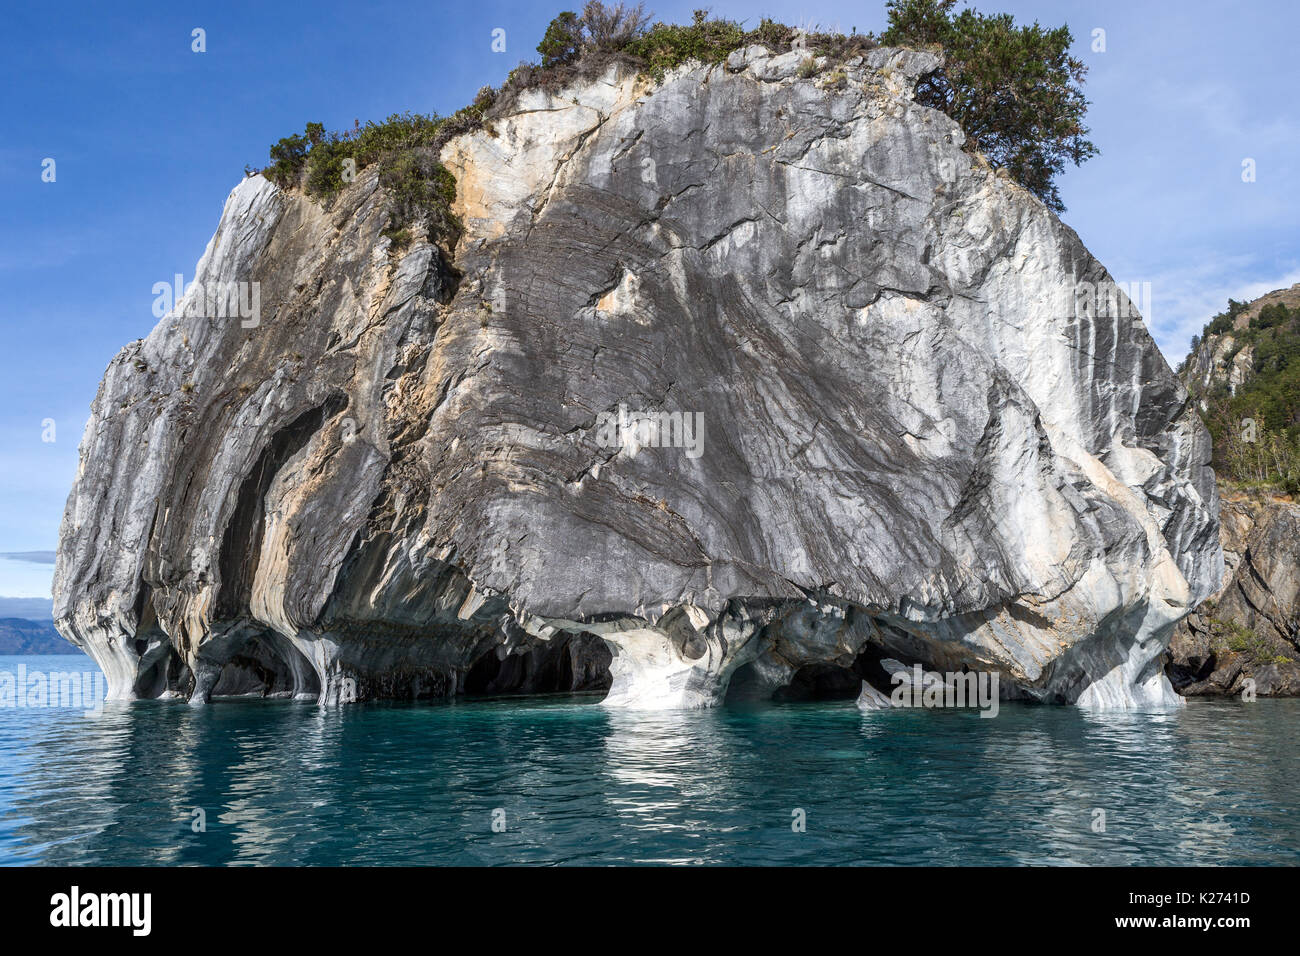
(817, 682)
(152, 681)
(571, 663)
(266, 665)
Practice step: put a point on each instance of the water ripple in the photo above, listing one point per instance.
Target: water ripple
(286, 783)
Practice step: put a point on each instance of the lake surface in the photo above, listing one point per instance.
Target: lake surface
(282, 782)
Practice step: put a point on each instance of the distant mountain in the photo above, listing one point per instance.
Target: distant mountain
(35, 557)
(33, 609)
(19, 636)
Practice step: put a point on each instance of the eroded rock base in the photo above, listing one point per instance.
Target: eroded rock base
(752, 652)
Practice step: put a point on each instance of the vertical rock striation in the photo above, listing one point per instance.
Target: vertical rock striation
(915, 439)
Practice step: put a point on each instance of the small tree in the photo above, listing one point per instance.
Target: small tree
(563, 40)
(601, 27)
(1016, 91)
(288, 157)
(613, 28)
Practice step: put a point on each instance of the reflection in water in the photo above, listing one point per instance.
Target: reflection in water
(288, 783)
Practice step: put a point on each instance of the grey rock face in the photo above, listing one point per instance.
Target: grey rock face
(1250, 629)
(895, 430)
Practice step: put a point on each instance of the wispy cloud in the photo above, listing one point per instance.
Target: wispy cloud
(1184, 299)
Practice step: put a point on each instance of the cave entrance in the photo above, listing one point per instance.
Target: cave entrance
(818, 682)
(152, 680)
(568, 664)
(812, 682)
(267, 665)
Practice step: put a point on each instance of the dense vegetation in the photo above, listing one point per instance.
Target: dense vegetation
(624, 30)
(1228, 635)
(1015, 91)
(1256, 431)
(405, 146)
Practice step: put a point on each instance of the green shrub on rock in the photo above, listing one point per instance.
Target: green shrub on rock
(405, 148)
(1015, 91)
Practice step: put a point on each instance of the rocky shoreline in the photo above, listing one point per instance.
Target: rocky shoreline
(1245, 638)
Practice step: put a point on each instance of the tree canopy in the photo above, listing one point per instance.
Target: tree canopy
(1015, 90)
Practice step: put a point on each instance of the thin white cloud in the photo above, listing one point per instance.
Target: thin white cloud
(1185, 299)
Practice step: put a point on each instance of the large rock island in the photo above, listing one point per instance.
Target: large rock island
(738, 381)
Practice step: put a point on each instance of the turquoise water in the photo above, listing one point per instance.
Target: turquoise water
(288, 783)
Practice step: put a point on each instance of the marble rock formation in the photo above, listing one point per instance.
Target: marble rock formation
(737, 382)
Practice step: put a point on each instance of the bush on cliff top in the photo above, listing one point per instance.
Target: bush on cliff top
(624, 30)
(1014, 90)
(406, 148)
(608, 29)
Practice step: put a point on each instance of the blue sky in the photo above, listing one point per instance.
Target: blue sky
(148, 138)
